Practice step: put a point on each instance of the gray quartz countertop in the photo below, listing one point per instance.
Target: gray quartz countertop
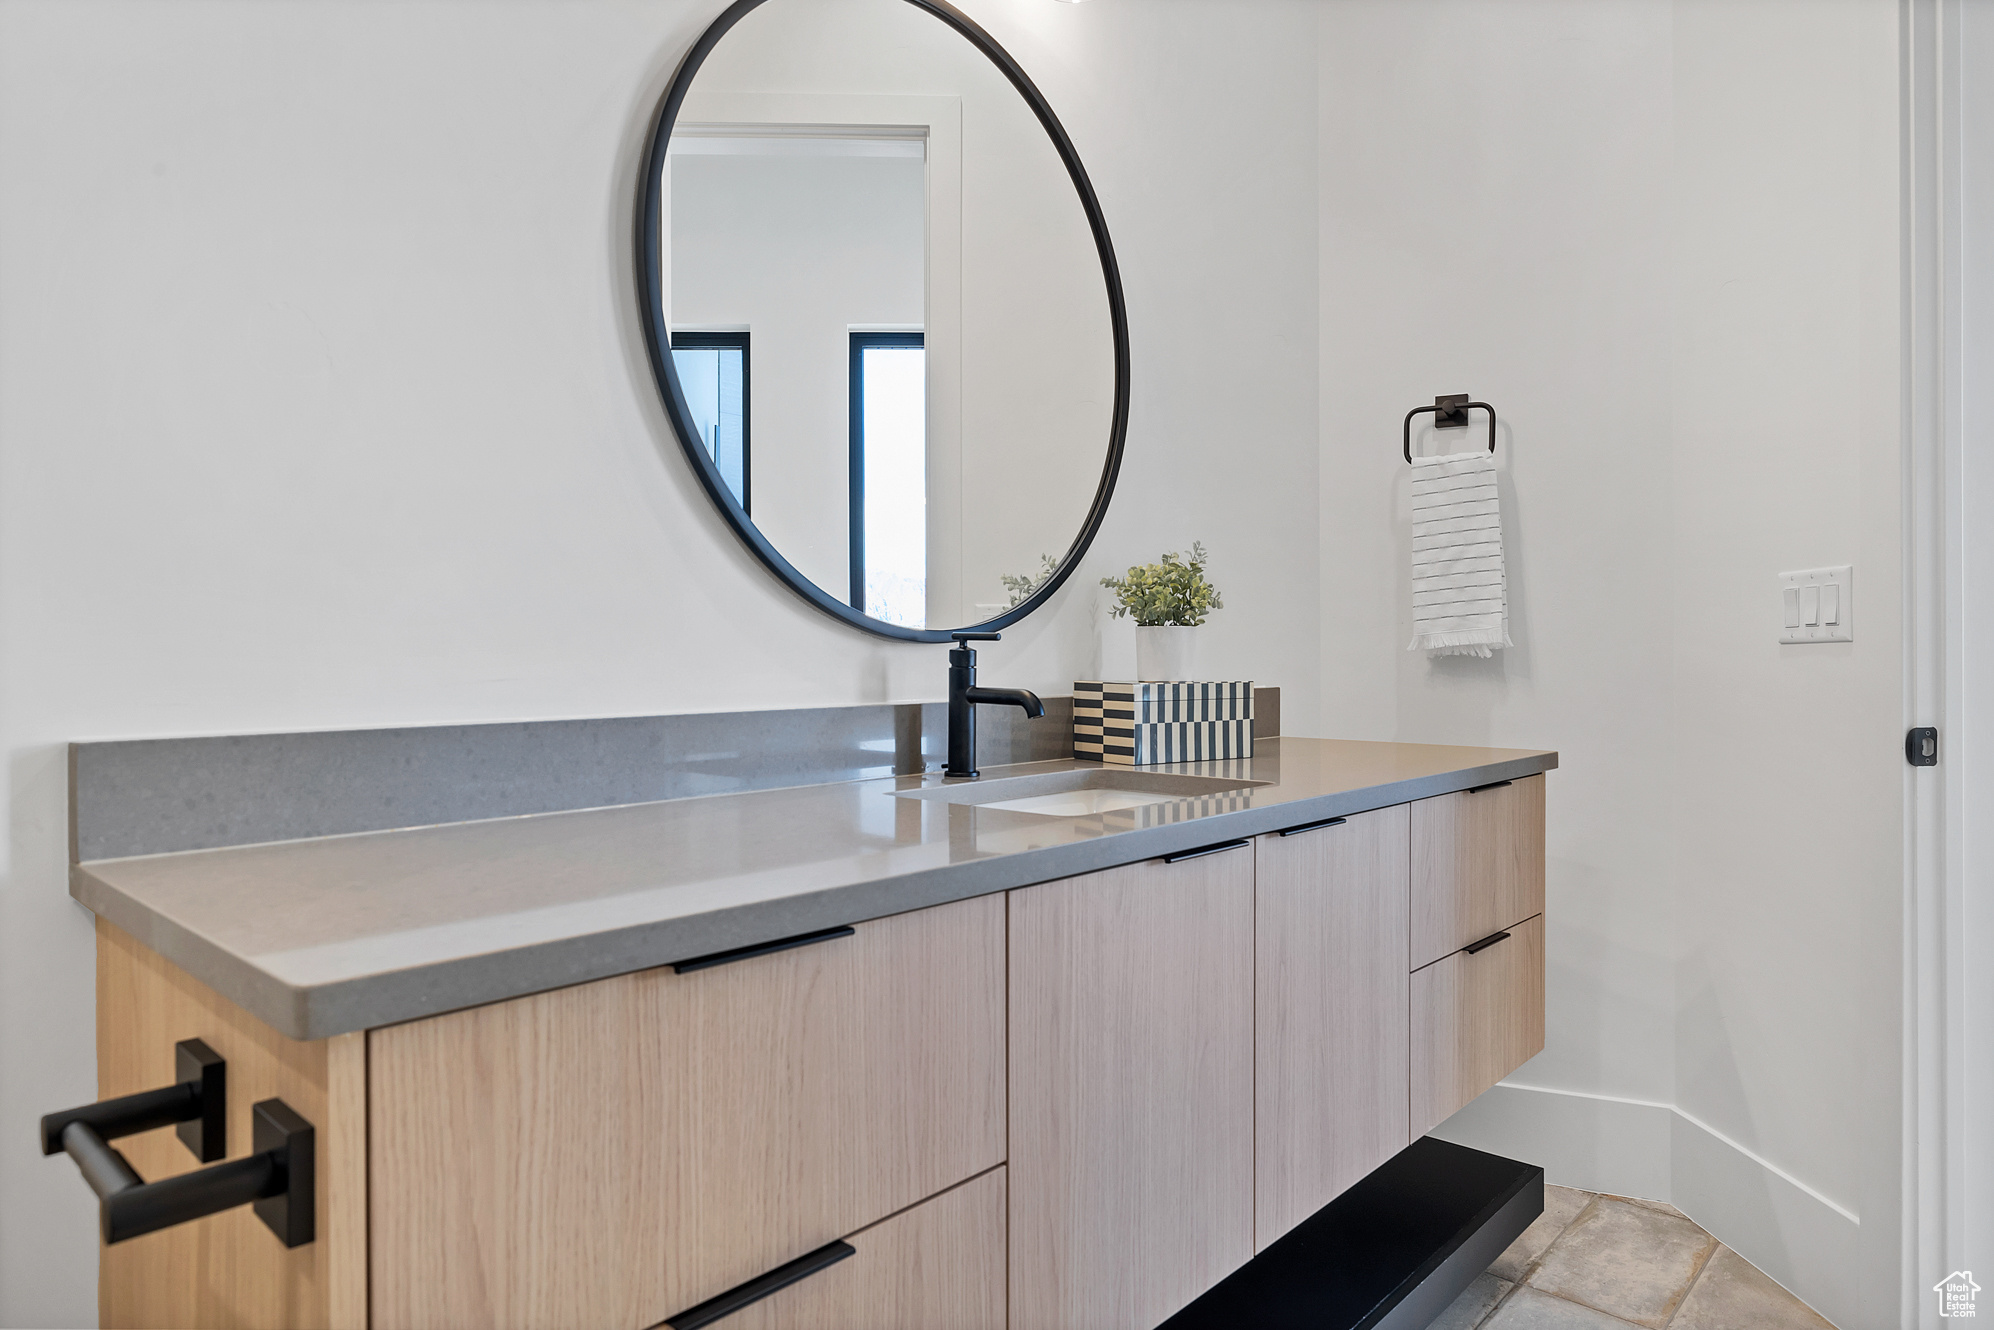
(335, 933)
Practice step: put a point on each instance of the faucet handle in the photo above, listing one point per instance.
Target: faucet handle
(962, 653)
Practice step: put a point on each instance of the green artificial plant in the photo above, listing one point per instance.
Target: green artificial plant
(1171, 593)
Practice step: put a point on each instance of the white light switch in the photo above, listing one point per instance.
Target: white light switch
(1818, 605)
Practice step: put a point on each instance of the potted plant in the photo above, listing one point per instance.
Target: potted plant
(1168, 601)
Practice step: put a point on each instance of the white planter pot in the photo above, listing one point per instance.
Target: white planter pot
(1166, 652)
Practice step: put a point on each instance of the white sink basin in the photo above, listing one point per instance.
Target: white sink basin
(1079, 803)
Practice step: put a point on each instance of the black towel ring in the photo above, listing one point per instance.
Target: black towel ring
(1449, 412)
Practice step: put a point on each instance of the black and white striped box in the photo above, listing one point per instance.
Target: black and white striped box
(1144, 724)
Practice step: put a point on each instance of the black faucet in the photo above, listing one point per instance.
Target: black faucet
(964, 696)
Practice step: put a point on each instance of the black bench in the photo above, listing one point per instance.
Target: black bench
(1389, 1254)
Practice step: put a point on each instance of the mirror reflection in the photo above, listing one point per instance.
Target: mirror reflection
(887, 313)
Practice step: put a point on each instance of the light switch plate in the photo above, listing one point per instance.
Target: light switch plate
(1818, 605)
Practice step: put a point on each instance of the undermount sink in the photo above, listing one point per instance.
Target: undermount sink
(1079, 793)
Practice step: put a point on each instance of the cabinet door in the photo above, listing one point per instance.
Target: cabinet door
(1477, 865)
(1132, 1091)
(615, 1153)
(938, 1266)
(1476, 1017)
(1330, 1069)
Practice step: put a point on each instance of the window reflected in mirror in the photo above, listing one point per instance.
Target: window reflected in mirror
(713, 371)
(889, 396)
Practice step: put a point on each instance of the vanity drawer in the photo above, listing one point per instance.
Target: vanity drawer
(938, 1266)
(615, 1153)
(1477, 865)
(1476, 1017)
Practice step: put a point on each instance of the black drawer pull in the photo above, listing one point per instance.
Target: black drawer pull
(713, 1309)
(279, 1177)
(761, 949)
(1492, 785)
(1204, 850)
(1315, 826)
(1485, 943)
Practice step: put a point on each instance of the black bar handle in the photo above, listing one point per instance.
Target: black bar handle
(279, 1179)
(1492, 785)
(734, 1299)
(761, 949)
(1485, 943)
(1315, 826)
(1204, 850)
(198, 1102)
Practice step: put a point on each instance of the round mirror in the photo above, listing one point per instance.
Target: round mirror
(883, 311)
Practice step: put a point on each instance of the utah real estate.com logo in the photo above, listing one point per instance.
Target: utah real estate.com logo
(1956, 1292)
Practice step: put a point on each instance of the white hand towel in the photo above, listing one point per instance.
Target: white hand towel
(1460, 600)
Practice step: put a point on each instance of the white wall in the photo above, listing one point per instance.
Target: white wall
(322, 404)
(1494, 222)
(1788, 455)
(1660, 238)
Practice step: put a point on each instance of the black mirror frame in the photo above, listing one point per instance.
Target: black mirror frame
(657, 333)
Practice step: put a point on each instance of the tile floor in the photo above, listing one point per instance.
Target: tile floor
(1608, 1263)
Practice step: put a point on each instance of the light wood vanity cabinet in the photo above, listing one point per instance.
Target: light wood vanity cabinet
(1131, 1090)
(611, 1154)
(228, 1269)
(1477, 865)
(1331, 1038)
(1076, 1104)
(938, 1266)
(1477, 883)
(615, 1153)
(1476, 1017)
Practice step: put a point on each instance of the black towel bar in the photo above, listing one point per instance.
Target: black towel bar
(278, 1177)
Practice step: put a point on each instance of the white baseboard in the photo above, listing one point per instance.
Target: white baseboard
(1632, 1147)
(1589, 1142)
(1772, 1219)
